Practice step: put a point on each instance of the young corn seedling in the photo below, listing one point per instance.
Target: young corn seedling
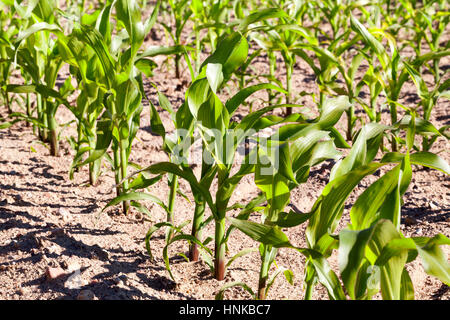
(393, 76)
(6, 50)
(121, 81)
(212, 15)
(428, 100)
(333, 65)
(181, 13)
(282, 166)
(283, 37)
(204, 110)
(37, 54)
(429, 23)
(93, 134)
(232, 48)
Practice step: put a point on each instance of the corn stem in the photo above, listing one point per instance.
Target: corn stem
(171, 205)
(196, 229)
(123, 173)
(219, 262)
(289, 69)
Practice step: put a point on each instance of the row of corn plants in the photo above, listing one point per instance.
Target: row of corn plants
(359, 59)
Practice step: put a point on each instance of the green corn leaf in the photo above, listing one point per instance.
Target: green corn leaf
(231, 53)
(422, 125)
(25, 13)
(301, 147)
(187, 174)
(155, 121)
(291, 219)
(103, 141)
(90, 19)
(45, 10)
(434, 260)
(37, 27)
(7, 124)
(153, 17)
(276, 188)
(220, 294)
(421, 86)
(152, 230)
(356, 157)
(289, 275)
(370, 40)
(233, 103)
(325, 274)
(338, 139)
(197, 94)
(394, 248)
(366, 208)
(423, 158)
(135, 196)
(146, 66)
(265, 234)
(129, 13)
(261, 15)
(323, 150)
(181, 237)
(103, 23)
(407, 288)
(128, 98)
(212, 114)
(214, 75)
(332, 110)
(141, 208)
(391, 272)
(153, 51)
(94, 39)
(141, 182)
(328, 208)
(240, 254)
(429, 57)
(352, 245)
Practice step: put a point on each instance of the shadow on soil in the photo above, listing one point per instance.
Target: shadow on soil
(33, 245)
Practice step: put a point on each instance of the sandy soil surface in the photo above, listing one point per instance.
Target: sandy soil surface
(51, 225)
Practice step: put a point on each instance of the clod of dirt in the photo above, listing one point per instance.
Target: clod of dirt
(58, 232)
(410, 221)
(86, 295)
(101, 253)
(54, 273)
(64, 214)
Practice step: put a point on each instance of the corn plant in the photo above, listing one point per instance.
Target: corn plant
(300, 147)
(428, 100)
(372, 251)
(429, 23)
(392, 76)
(333, 65)
(203, 110)
(376, 215)
(181, 13)
(283, 37)
(6, 50)
(37, 54)
(120, 80)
